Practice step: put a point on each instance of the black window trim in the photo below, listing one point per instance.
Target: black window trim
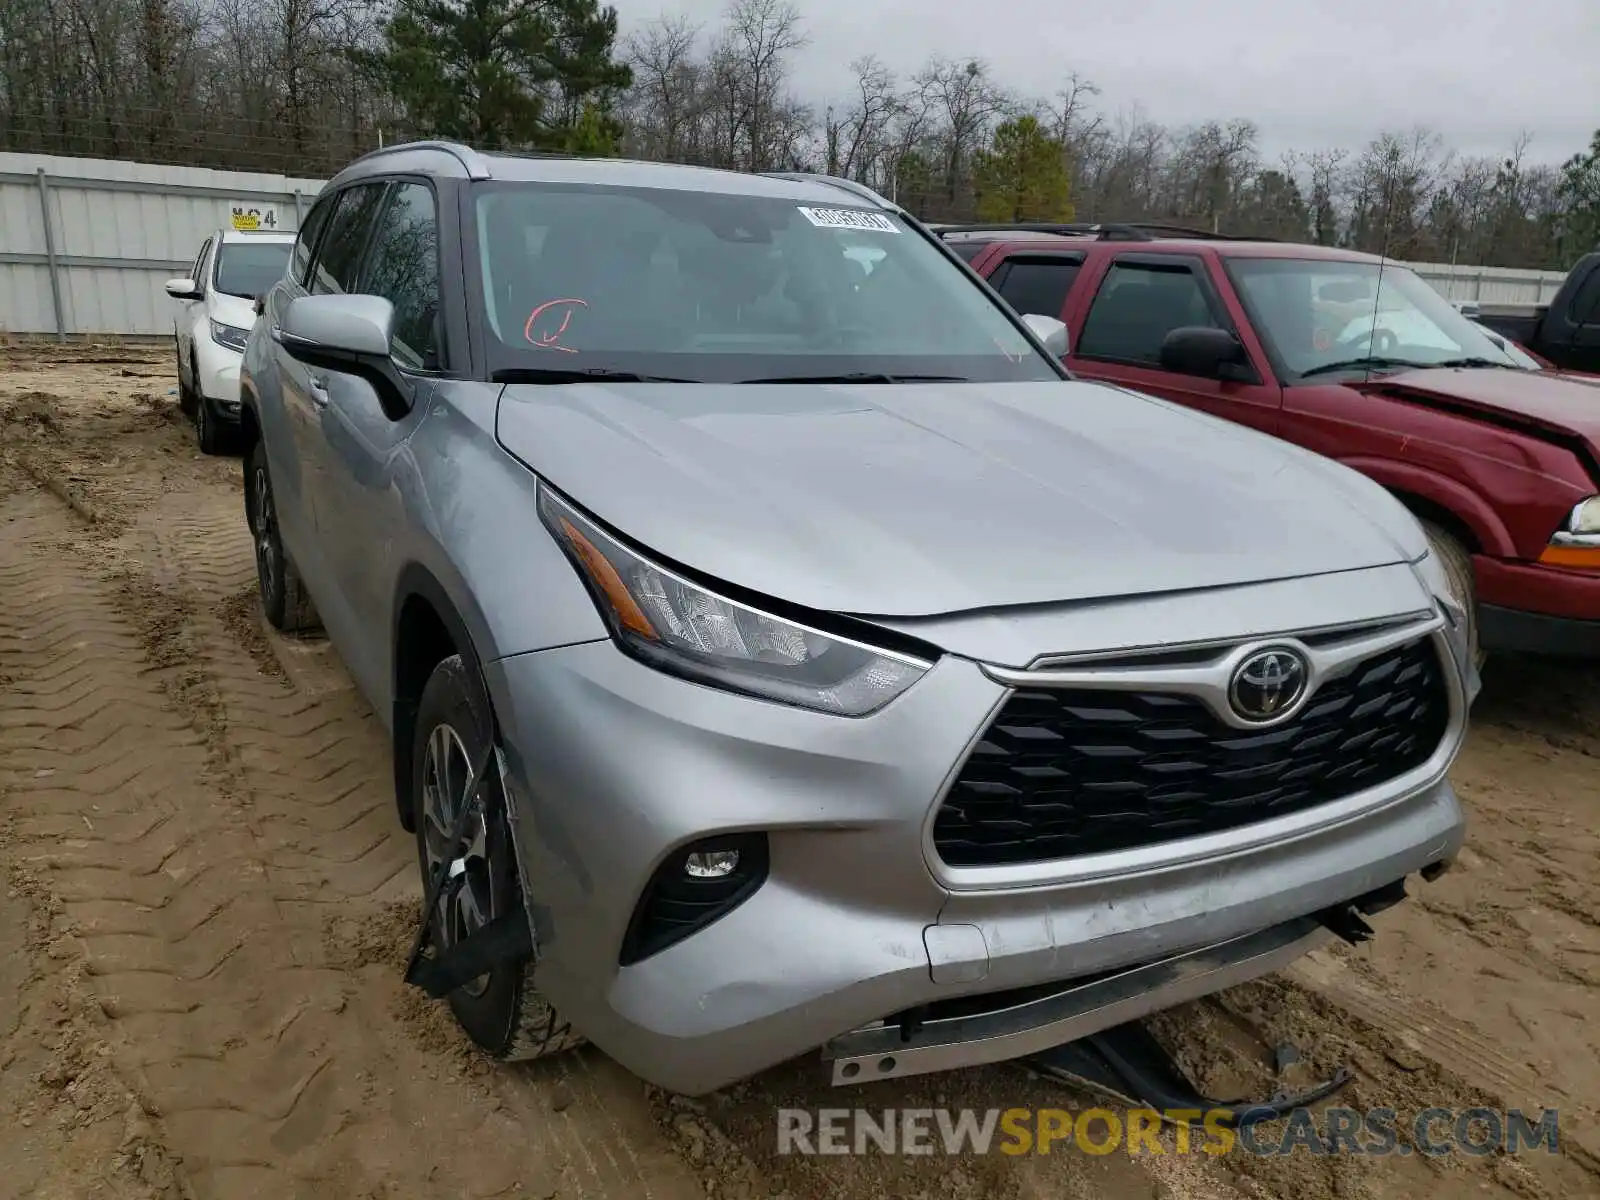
(1173, 263)
(200, 267)
(391, 184)
(329, 197)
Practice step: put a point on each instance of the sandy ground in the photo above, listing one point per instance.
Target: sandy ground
(206, 899)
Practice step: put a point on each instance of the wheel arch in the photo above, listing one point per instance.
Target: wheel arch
(1447, 503)
(428, 628)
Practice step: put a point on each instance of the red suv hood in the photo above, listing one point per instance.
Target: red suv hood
(1567, 406)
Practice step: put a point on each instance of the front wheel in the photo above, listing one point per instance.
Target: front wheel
(1457, 564)
(499, 1011)
(283, 593)
(186, 389)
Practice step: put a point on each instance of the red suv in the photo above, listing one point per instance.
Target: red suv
(1357, 359)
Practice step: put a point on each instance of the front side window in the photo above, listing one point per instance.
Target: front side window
(723, 288)
(197, 270)
(339, 254)
(249, 269)
(1320, 315)
(404, 269)
(1137, 305)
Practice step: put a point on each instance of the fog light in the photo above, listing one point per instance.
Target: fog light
(711, 864)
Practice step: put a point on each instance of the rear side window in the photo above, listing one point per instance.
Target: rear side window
(404, 269)
(1137, 305)
(965, 250)
(1586, 304)
(1038, 285)
(340, 252)
(306, 243)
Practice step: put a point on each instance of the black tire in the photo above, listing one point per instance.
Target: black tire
(501, 1012)
(207, 434)
(1457, 564)
(186, 392)
(283, 594)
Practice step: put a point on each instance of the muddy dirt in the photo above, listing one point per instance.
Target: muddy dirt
(205, 900)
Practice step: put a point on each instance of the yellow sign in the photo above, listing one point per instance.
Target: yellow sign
(252, 217)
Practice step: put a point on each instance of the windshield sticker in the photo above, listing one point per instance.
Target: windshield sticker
(553, 316)
(848, 218)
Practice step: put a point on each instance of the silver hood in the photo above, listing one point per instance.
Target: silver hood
(921, 499)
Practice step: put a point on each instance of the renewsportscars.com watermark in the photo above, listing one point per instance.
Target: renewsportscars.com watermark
(1377, 1131)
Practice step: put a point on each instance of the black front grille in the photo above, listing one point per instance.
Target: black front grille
(1079, 771)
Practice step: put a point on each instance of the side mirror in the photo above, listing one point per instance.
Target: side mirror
(350, 334)
(1050, 331)
(331, 330)
(1207, 352)
(184, 289)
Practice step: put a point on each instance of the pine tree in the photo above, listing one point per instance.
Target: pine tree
(1022, 176)
(506, 73)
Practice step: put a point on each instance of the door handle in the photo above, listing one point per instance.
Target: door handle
(319, 391)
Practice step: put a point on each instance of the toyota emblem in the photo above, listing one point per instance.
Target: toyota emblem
(1268, 684)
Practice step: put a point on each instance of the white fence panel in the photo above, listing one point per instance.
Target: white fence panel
(115, 232)
(1491, 286)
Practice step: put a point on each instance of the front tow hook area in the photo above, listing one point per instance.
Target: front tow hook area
(1089, 1031)
(1127, 1064)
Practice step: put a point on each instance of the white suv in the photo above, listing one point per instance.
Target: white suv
(216, 310)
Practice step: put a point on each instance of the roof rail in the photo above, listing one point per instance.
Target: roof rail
(1111, 231)
(476, 165)
(859, 190)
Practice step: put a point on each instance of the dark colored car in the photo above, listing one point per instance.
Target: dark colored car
(1359, 360)
(1567, 330)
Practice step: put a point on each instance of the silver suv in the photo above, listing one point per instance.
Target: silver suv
(844, 674)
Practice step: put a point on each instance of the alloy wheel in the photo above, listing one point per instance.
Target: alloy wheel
(466, 902)
(266, 548)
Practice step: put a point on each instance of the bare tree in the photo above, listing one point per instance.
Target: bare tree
(666, 98)
(966, 102)
(758, 35)
(856, 139)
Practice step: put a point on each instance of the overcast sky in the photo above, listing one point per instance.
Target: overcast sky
(1310, 73)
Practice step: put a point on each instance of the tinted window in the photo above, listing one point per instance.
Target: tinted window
(1586, 304)
(249, 269)
(1039, 285)
(404, 268)
(306, 243)
(966, 250)
(340, 252)
(721, 287)
(1136, 307)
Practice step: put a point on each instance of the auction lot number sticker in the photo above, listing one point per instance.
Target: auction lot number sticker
(848, 218)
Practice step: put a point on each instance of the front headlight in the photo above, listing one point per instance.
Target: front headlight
(679, 627)
(1584, 519)
(230, 336)
(1577, 542)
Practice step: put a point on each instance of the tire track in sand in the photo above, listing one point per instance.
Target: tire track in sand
(202, 827)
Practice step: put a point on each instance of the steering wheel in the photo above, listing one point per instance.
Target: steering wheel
(1380, 343)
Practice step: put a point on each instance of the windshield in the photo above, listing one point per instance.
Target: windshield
(714, 287)
(1315, 313)
(249, 269)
